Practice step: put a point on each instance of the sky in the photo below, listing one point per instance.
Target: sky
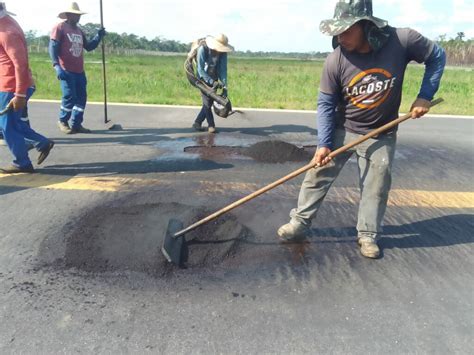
(256, 25)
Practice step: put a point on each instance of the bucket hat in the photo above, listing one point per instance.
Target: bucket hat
(73, 9)
(220, 43)
(347, 13)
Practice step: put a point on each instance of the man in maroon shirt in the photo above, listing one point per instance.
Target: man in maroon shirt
(66, 51)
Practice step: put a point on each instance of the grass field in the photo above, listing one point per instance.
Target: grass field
(258, 83)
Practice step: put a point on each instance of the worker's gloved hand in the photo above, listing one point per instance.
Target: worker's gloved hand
(321, 156)
(216, 85)
(420, 108)
(18, 103)
(224, 91)
(60, 72)
(101, 33)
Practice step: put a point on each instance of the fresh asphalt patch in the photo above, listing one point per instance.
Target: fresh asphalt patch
(130, 238)
(276, 151)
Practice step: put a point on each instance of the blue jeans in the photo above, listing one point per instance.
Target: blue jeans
(16, 131)
(206, 111)
(374, 158)
(24, 117)
(74, 99)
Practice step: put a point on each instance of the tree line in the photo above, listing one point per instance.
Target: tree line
(114, 41)
(131, 44)
(460, 51)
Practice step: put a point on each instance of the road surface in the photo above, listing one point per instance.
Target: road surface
(81, 270)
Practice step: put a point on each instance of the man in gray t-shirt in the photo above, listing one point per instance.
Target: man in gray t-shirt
(371, 83)
(360, 90)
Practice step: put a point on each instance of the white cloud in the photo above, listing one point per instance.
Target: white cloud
(469, 33)
(463, 11)
(250, 24)
(408, 12)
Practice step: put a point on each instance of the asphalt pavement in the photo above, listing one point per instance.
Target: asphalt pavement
(81, 269)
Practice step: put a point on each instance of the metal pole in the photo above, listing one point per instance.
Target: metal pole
(106, 120)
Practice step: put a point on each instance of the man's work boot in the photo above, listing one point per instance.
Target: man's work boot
(293, 232)
(80, 129)
(45, 152)
(13, 169)
(64, 127)
(197, 127)
(369, 247)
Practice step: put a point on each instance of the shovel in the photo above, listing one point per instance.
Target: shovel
(108, 123)
(174, 245)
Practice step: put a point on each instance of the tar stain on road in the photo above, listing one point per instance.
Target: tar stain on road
(270, 151)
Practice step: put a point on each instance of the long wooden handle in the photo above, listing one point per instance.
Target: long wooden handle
(295, 173)
(104, 75)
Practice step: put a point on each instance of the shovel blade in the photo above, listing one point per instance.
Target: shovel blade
(174, 249)
(113, 126)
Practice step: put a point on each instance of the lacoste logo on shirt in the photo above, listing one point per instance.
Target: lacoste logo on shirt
(370, 88)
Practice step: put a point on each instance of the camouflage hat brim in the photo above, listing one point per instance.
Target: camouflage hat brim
(334, 27)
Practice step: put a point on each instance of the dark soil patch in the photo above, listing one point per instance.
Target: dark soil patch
(275, 151)
(130, 238)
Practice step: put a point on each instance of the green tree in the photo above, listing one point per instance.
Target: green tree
(30, 37)
(460, 36)
(90, 29)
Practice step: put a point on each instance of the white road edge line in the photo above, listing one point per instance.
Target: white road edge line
(235, 108)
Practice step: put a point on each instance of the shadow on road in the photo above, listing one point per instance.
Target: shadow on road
(436, 232)
(431, 233)
(336, 249)
(127, 136)
(135, 167)
(143, 136)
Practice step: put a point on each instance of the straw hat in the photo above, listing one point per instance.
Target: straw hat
(73, 9)
(220, 43)
(3, 8)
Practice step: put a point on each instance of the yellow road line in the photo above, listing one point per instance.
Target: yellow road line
(440, 199)
(60, 182)
(398, 197)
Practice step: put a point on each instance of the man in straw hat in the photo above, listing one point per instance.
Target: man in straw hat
(66, 51)
(360, 90)
(16, 87)
(212, 69)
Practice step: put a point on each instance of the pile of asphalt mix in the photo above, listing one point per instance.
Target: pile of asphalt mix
(275, 151)
(130, 238)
